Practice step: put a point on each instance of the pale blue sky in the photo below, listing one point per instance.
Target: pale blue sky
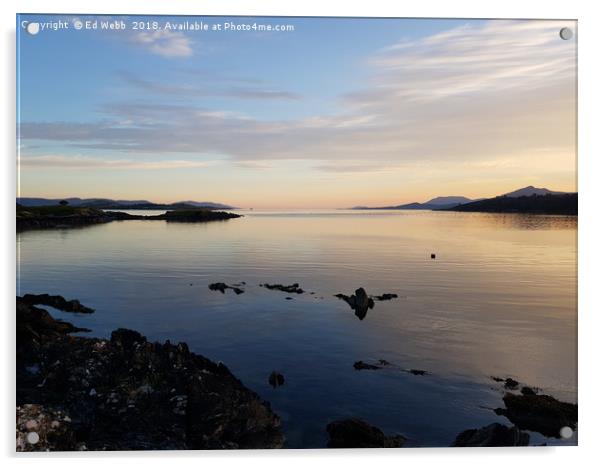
(295, 119)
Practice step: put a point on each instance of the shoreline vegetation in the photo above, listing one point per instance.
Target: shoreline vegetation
(66, 216)
(125, 393)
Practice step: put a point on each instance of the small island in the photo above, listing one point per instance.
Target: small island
(66, 216)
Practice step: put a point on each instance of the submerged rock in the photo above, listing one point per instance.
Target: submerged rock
(360, 302)
(539, 413)
(357, 433)
(294, 288)
(220, 286)
(382, 364)
(276, 379)
(509, 382)
(57, 302)
(385, 297)
(130, 394)
(493, 435)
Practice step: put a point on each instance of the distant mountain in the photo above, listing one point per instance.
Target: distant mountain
(437, 203)
(530, 191)
(100, 203)
(447, 200)
(208, 205)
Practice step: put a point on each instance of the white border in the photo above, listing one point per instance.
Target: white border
(590, 194)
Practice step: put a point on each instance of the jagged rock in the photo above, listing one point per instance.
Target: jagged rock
(417, 372)
(360, 302)
(276, 379)
(493, 435)
(129, 394)
(220, 286)
(57, 302)
(539, 413)
(294, 288)
(357, 433)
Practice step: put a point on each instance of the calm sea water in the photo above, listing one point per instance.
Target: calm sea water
(500, 299)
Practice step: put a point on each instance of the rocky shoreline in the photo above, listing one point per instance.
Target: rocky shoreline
(51, 217)
(126, 393)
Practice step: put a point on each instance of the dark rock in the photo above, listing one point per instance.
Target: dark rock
(57, 302)
(539, 413)
(276, 379)
(361, 365)
(510, 384)
(193, 215)
(417, 372)
(528, 391)
(360, 302)
(126, 338)
(220, 286)
(493, 435)
(385, 297)
(433, 256)
(129, 394)
(41, 429)
(356, 433)
(288, 298)
(294, 288)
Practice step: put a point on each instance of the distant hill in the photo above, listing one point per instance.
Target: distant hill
(530, 191)
(447, 200)
(437, 203)
(100, 203)
(560, 204)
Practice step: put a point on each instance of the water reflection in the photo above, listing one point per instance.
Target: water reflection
(500, 298)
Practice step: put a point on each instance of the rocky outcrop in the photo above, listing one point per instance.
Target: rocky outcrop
(57, 302)
(294, 288)
(493, 435)
(220, 286)
(194, 215)
(357, 433)
(539, 413)
(128, 394)
(360, 302)
(276, 379)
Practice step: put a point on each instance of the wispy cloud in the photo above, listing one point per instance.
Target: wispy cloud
(483, 91)
(206, 87)
(163, 42)
(81, 162)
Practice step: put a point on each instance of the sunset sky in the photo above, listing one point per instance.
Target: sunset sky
(337, 113)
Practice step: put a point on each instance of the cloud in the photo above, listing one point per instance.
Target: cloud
(163, 42)
(483, 91)
(209, 88)
(80, 162)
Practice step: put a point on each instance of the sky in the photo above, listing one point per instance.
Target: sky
(331, 113)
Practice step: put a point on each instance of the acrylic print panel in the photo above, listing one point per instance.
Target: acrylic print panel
(281, 232)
